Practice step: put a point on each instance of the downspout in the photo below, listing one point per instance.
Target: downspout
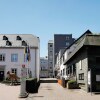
(35, 63)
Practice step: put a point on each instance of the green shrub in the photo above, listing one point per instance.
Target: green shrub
(72, 82)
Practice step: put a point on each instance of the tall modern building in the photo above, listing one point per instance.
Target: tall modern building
(43, 67)
(61, 41)
(50, 58)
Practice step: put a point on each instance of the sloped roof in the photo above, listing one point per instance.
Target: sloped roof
(30, 39)
(88, 39)
(92, 40)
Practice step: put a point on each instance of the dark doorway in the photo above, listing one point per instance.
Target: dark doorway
(1, 75)
(95, 80)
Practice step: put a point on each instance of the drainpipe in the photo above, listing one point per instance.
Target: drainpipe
(35, 63)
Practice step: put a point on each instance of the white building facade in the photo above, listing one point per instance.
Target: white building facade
(12, 55)
(59, 67)
(43, 67)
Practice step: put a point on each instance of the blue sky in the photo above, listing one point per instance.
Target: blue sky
(44, 18)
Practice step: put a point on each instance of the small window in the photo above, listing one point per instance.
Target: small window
(5, 38)
(41, 68)
(67, 43)
(50, 67)
(24, 43)
(98, 78)
(14, 57)
(68, 71)
(63, 58)
(81, 76)
(18, 38)
(50, 62)
(63, 71)
(50, 45)
(50, 57)
(67, 37)
(8, 43)
(14, 70)
(2, 57)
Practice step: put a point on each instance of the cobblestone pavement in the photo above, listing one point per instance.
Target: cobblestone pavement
(47, 91)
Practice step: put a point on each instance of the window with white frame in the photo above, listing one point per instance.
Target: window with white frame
(14, 70)
(14, 57)
(81, 76)
(2, 57)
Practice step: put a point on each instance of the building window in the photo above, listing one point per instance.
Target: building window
(67, 43)
(18, 38)
(63, 58)
(5, 38)
(50, 51)
(24, 43)
(81, 76)
(14, 70)
(50, 62)
(41, 68)
(50, 67)
(70, 68)
(66, 71)
(80, 65)
(63, 71)
(67, 37)
(50, 57)
(2, 57)
(8, 43)
(50, 45)
(74, 69)
(14, 57)
(98, 78)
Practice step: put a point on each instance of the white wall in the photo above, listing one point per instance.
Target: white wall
(8, 64)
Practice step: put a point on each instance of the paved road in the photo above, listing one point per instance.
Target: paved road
(53, 91)
(8, 92)
(47, 91)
